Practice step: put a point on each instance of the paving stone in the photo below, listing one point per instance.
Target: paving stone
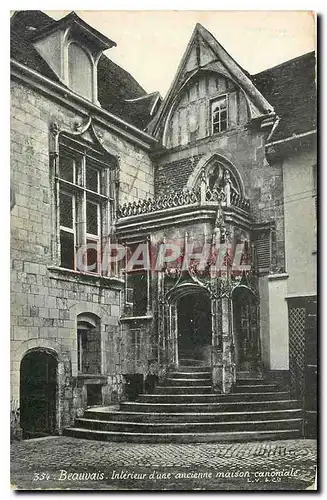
(232, 466)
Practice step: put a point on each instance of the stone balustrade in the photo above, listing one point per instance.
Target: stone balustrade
(184, 197)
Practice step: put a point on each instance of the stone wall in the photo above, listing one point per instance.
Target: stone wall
(44, 302)
(300, 223)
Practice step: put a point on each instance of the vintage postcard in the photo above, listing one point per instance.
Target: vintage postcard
(163, 250)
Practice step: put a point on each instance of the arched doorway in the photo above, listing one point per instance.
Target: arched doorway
(38, 393)
(194, 328)
(246, 331)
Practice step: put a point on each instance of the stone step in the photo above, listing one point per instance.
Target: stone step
(204, 437)
(252, 381)
(223, 406)
(190, 362)
(232, 416)
(249, 375)
(239, 389)
(193, 368)
(182, 427)
(195, 389)
(212, 398)
(186, 381)
(203, 374)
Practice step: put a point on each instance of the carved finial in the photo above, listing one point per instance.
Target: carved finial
(192, 161)
(203, 175)
(78, 126)
(54, 129)
(100, 135)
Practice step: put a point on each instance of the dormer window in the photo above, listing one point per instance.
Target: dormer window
(72, 49)
(219, 114)
(80, 71)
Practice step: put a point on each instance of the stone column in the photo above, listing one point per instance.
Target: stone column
(165, 340)
(228, 371)
(216, 353)
(160, 318)
(173, 336)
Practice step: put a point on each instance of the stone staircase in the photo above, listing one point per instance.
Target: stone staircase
(184, 409)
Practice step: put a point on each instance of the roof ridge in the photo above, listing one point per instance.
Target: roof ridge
(151, 94)
(21, 15)
(200, 27)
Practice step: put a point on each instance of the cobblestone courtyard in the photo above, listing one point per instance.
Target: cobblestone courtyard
(68, 463)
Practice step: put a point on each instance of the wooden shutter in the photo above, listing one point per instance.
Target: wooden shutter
(262, 241)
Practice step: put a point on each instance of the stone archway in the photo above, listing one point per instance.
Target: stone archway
(63, 400)
(184, 333)
(210, 159)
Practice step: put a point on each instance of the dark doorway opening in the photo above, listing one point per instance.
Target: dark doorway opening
(38, 392)
(194, 328)
(94, 394)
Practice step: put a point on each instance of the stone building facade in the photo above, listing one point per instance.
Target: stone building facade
(96, 161)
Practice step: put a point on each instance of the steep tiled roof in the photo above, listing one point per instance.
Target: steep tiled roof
(290, 87)
(138, 109)
(21, 49)
(115, 85)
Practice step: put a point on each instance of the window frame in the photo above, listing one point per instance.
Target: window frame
(130, 309)
(86, 323)
(212, 102)
(82, 157)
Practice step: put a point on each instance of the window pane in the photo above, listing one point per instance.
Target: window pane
(66, 210)
(92, 218)
(92, 256)
(66, 168)
(92, 176)
(223, 125)
(223, 103)
(67, 249)
(223, 116)
(215, 107)
(216, 127)
(139, 283)
(89, 350)
(219, 115)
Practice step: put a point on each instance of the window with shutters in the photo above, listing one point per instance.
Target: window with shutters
(263, 245)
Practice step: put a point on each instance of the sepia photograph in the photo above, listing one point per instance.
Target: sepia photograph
(163, 250)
